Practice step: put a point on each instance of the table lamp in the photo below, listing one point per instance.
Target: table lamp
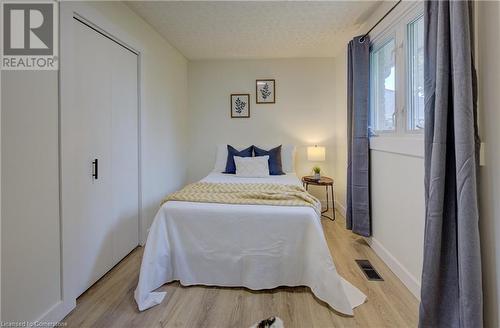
(316, 154)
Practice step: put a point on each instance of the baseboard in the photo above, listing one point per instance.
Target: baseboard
(56, 313)
(396, 267)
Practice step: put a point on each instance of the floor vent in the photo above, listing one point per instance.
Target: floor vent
(369, 270)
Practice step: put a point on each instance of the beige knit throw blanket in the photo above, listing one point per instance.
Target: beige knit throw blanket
(246, 194)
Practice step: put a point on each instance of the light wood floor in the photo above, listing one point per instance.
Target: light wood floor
(110, 302)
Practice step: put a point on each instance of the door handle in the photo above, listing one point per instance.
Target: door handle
(95, 169)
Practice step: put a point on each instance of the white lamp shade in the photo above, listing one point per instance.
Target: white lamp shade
(316, 154)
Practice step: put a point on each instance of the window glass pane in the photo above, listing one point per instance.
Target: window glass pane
(416, 77)
(383, 87)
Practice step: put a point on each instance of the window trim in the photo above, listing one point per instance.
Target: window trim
(409, 82)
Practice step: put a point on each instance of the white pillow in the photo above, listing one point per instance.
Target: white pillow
(221, 157)
(252, 167)
(288, 158)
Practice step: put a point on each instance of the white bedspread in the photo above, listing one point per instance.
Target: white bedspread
(254, 246)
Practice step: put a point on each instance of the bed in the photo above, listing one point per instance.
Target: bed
(252, 246)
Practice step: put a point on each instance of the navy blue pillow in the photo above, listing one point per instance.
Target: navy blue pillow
(275, 167)
(231, 152)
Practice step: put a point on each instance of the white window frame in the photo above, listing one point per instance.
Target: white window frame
(409, 90)
(396, 26)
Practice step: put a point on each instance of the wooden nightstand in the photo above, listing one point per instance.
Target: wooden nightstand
(323, 181)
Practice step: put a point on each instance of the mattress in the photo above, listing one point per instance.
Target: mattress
(253, 246)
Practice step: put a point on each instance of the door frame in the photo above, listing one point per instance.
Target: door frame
(85, 13)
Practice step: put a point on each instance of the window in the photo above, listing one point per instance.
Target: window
(383, 90)
(416, 74)
(397, 74)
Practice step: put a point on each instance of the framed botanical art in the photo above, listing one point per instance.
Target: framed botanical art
(240, 105)
(265, 91)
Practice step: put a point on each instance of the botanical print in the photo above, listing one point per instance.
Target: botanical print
(265, 91)
(240, 105)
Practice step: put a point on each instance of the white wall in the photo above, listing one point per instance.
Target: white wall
(303, 114)
(397, 189)
(30, 213)
(398, 213)
(340, 129)
(30, 195)
(488, 52)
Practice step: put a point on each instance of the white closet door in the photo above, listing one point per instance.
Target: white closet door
(125, 181)
(91, 123)
(103, 126)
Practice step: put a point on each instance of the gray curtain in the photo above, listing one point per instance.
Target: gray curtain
(451, 294)
(358, 161)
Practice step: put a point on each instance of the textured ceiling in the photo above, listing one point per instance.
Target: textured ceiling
(259, 29)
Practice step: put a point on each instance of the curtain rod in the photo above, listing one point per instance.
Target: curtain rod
(387, 13)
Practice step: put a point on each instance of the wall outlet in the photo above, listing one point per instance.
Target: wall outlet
(482, 159)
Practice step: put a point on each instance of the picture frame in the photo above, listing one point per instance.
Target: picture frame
(265, 91)
(240, 105)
